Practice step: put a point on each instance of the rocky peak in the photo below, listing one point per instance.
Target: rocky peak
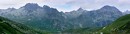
(46, 7)
(110, 8)
(80, 9)
(31, 6)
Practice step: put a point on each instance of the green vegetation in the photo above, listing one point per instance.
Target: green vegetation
(120, 26)
(11, 27)
(88, 30)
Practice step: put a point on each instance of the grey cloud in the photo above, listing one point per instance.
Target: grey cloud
(68, 5)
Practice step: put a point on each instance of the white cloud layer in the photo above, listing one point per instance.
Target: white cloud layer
(68, 5)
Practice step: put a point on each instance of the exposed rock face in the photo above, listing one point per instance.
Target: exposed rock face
(47, 18)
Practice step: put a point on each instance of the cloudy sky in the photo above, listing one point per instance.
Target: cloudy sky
(68, 5)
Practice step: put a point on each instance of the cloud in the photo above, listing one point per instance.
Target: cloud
(17, 3)
(68, 5)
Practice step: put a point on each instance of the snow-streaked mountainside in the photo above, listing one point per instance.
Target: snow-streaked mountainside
(47, 18)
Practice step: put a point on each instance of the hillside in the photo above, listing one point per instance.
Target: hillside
(120, 26)
(82, 30)
(10, 27)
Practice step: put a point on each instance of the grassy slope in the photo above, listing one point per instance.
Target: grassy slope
(120, 26)
(11, 27)
(82, 30)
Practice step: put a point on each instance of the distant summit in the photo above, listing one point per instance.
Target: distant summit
(111, 8)
(126, 12)
(107, 7)
(80, 9)
(31, 6)
(46, 7)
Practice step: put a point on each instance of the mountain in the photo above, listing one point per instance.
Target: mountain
(106, 15)
(88, 22)
(94, 18)
(10, 27)
(75, 13)
(44, 18)
(119, 26)
(31, 6)
(111, 8)
(50, 19)
(126, 12)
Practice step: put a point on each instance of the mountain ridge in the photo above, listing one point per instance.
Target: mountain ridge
(47, 18)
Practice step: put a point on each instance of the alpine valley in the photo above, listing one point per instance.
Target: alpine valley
(47, 19)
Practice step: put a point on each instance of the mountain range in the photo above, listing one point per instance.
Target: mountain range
(119, 26)
(50, 19)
